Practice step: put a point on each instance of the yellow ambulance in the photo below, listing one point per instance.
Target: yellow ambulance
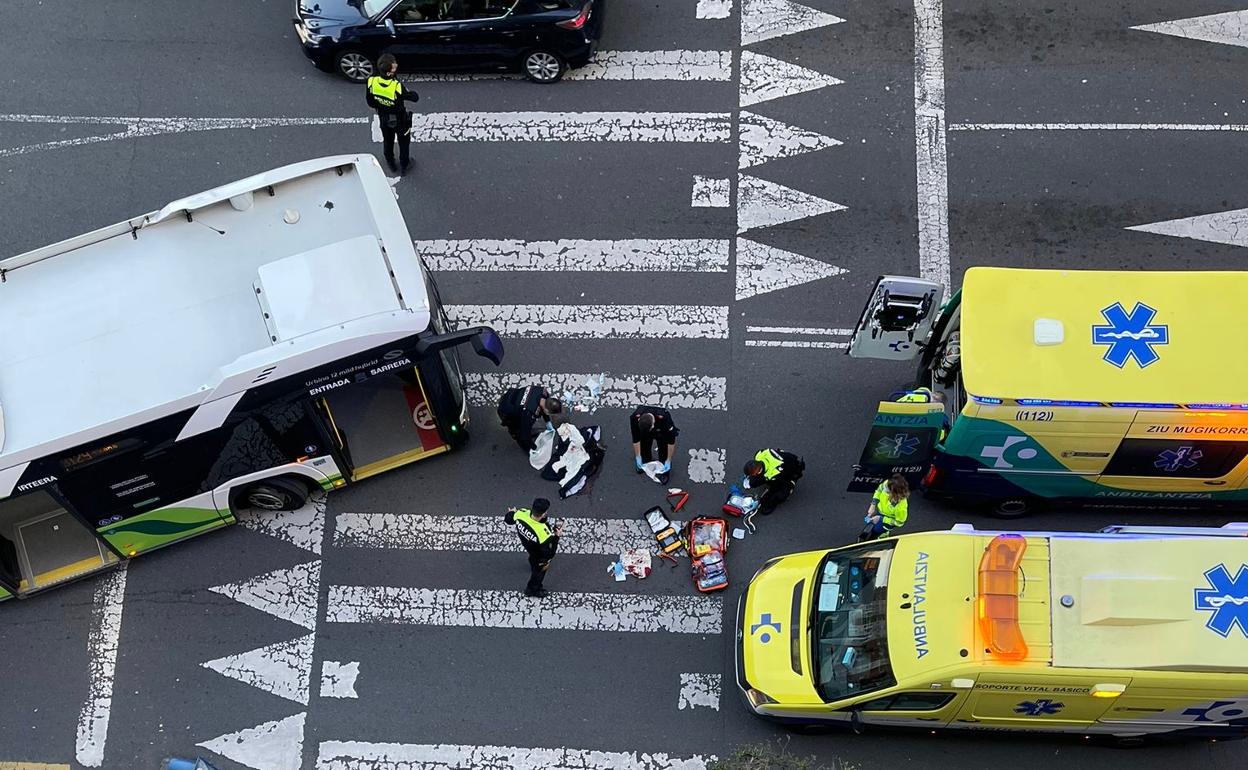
(1110, 388)
(1128, 633)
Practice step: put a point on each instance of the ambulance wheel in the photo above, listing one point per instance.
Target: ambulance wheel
(1011, 507)
(278, 494)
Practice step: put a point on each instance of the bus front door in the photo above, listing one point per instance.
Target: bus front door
(42, 543)
(381, 423)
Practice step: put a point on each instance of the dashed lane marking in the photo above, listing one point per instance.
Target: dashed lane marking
(1212, 127)
(102, 644)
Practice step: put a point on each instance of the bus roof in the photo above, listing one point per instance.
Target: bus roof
(1126, 337)
(175, 308)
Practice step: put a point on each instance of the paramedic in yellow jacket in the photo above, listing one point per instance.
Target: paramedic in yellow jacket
(889, 506)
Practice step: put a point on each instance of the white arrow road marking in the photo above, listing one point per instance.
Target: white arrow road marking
(714, 9)
(765, 19)
(931, 151)
(761, 269)
(710, 192)
(357, 755)
(599, 322)
(289, 594)
(699, 690)
(764, 78)
(284, 668)
(571, 127)
(625, 391)
(678, 255)
(271, 746)
(1229, 227)
(706, 466)
(338, 679)
(1230, 28)
(763, 204)
(762, 139)
(1213, 127)
(623, 65)
(512, 609)
(304, 528)
(102, 643)
(425, 532)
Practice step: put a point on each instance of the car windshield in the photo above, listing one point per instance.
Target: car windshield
(374, 7)
(850, 642)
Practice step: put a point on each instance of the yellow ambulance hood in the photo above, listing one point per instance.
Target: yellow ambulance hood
(775, 643)
(931, 606)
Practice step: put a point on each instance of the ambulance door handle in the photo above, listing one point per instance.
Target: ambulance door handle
(928, 719)
(1215, 483)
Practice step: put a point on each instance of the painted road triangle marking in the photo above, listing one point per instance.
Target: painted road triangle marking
(1230, 28)
(1229, 227)
(761, 269)
(762, 204)
(270, 746)
(284, 669)
(762, 139)
(289, 594)
(765, 19)
(302, 528)
(764, 78)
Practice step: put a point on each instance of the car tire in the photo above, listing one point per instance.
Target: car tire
(354, 65)
(1011, 507)
(543, 66)
(276, 494)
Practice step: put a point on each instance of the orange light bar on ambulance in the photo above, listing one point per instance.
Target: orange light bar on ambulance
(998, 597)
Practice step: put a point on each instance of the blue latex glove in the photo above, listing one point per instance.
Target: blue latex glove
(637, 459)
(667, 467)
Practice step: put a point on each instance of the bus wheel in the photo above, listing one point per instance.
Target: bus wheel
(1011, 507)
(279, 494)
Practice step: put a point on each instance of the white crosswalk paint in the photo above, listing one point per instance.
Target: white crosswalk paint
(764, 78)
(276, 745)
(677, 255)
(795, 344)
(1229, 227)
(761, 269)
(1230, 28)
(761, 203)
(706, 466)
(699, 690)
(303, 528)
(931, 152)
(714, 9)
(512, 609)
(570, 127)
(284, 668)
(599, 322)
(338, 679)
(710, 192)
(765, 19)
(1198, 127)
(762, 139)
(625, 391)
(425, 532)
(620, 65)
(358, 755)
(102, 644)
(815, 330)
(289, 594)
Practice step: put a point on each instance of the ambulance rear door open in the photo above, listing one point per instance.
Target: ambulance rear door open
(1182, 450)
(897, 319)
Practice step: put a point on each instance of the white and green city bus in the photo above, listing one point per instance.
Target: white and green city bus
(238, 348)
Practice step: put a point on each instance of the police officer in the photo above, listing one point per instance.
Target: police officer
(519, 410)
(539, 539)
(889, 507)
(386, 94)
(776, 472)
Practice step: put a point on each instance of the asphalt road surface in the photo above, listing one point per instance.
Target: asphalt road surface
(1045, 132)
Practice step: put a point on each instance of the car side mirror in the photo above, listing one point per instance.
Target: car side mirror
(389, 25)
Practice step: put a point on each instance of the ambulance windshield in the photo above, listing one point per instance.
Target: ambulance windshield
(850, 646)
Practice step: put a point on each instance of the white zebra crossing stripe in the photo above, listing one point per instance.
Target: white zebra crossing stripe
(1229, 227)
(699, 690)
(678, 255)
(678, 65)
(762, 139)
(796, 344)
(671, 391)
(714, 9)
(811, 330)
(706, 466)
(284, 668)
(425, 532)
(709, 192)
(762, 269)
(512, 609)
(338, 679)
(289, 594)
(761, 203)
(276, 745)
(766, 19)
(1230, 28)
(571, 127)
(764, 78)
(601, 322)
(358, 755)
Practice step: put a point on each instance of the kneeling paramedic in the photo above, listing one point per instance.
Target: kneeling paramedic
(889, 508)
(539, 539)
(386, 94)
(776, 472)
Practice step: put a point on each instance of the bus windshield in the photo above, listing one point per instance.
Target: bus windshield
(850, 645)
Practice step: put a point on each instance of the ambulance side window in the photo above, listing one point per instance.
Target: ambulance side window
(909, 701)
(1180, 458)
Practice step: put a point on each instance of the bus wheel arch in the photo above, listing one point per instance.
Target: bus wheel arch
(277, 493)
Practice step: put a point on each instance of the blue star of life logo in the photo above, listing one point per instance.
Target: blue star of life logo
(896, 446)
(1130, 335)
(765, 623)
(1039, 707)
(1175, 459)
(1227, 600)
